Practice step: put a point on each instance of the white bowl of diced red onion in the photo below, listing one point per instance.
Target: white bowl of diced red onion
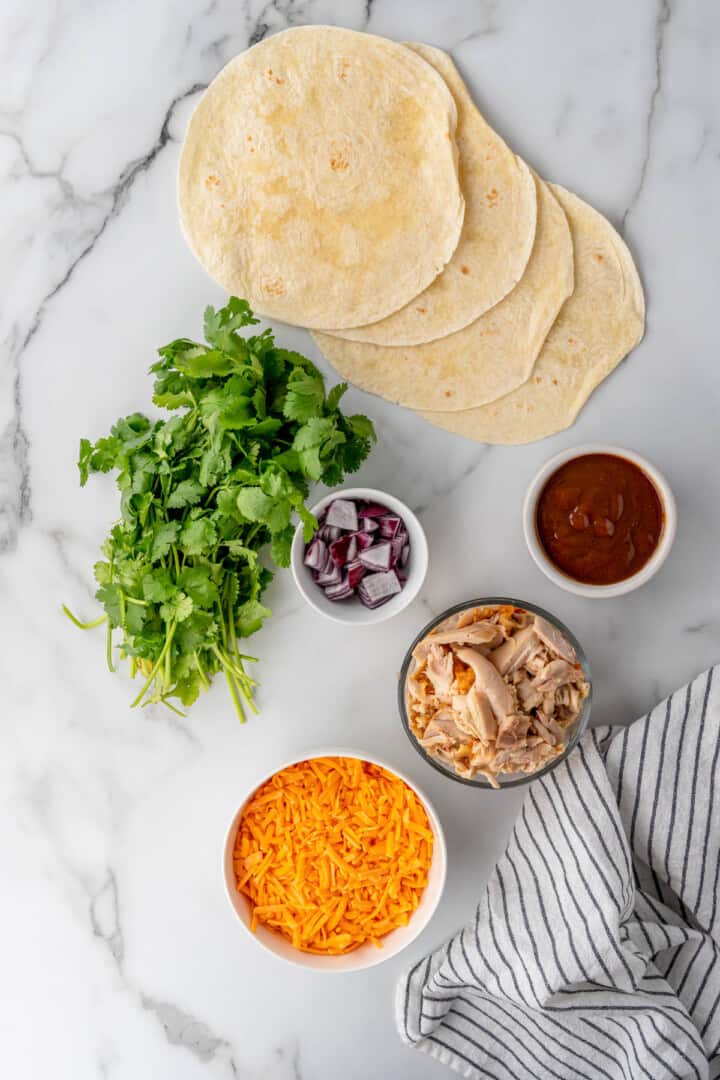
(366, 562)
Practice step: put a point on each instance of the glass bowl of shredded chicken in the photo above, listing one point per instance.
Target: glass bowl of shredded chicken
(495, 692)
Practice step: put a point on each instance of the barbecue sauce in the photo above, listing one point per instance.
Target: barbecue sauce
(599, 518)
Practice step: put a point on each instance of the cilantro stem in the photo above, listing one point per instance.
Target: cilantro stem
(134, 600)
(234, 695)
(228, 662)
(108, 648)
(201, 670)
(178, 712)
(156, 666)
(238, 658)
(83, 625)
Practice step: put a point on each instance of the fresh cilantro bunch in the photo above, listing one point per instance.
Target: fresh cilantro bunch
(203, 492)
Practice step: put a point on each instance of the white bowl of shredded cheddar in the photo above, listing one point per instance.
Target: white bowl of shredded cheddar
(335, 861)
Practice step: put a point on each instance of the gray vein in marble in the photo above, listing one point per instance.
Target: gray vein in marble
(661, 24)
(105, 917)
(488, 26)
(182, 1029)
(15, 480)
(14, 471)
(459, 479)
(44, 174)
(118, 195)
(273, 16)
(710, 626)
(563, 121)
(59, 540)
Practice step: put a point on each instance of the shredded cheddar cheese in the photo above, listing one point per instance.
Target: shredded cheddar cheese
(333, 852)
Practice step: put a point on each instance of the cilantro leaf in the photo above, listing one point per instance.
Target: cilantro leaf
(250, 616)
(255, 505)
(196, 582)
(187, 493)
(178, 608)
(281, 544)
(333, 398)
(157, 586)
(163, 539)
(314, 440)
(305, 395)
(197, 536)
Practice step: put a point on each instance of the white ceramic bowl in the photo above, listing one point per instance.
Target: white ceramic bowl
(352, 611)
(367, 955)
(653, 564)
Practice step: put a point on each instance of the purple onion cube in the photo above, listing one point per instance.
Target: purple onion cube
(390, 525)
(355, 573)
(397, 550)
(377, 589)
(339, 550)
(343, 514)
(378, 557)
(364, 540)
(342, 591)
(373, 510)
(333, 576)
(316, 553)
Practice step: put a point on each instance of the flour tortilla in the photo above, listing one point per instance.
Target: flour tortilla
(318, 177)
(487, 359)
(598, 326)
(497, 236)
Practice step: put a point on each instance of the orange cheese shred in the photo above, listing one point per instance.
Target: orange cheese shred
(332, 853)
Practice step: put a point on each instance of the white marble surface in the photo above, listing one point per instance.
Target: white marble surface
(119, 956)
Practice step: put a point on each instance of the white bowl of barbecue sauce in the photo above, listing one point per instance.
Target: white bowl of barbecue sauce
(599, 520)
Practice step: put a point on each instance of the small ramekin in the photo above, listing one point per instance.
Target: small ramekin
(618, 588)
(352, 612)
(367, 955)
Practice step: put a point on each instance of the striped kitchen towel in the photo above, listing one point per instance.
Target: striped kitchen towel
(595, 950)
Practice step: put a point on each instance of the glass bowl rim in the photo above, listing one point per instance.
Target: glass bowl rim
(516, 780)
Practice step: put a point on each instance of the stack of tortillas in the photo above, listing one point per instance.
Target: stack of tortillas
(347, 183)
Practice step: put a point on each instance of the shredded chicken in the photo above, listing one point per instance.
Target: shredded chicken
(439, 668)
(495, 690)
(481, 635)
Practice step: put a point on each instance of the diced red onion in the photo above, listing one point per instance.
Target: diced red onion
(341, 591)
(343, 513)
(355, 573)
(359, 548)
(397, 550)
(340, 550)
(316, 553)
(364, 540)
(377, 589)
(372, 510)
(389, 526)
(378, 557)
(330, 576)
